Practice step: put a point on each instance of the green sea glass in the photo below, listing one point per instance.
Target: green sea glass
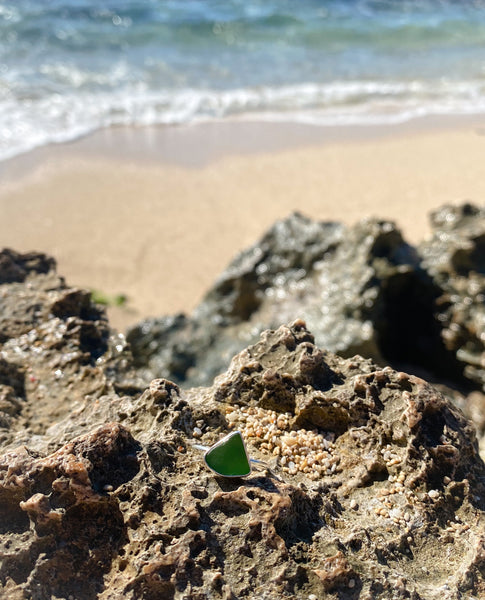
(228, 457)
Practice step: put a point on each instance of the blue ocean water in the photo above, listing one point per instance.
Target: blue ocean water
(68, 67)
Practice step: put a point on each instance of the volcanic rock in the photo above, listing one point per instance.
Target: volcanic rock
(56, 349)
(370, 485)
(360, 289)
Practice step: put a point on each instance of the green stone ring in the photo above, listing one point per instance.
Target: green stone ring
(228, 457)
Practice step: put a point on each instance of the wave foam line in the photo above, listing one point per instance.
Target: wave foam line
(27, 124)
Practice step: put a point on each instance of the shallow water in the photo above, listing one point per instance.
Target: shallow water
(68, 67)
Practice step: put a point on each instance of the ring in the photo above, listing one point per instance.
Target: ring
(228, 457)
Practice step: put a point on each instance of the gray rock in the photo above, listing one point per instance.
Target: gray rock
(359, 289)
(454, 257)
(285, 255)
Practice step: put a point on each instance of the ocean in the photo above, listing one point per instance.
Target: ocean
(70, 67)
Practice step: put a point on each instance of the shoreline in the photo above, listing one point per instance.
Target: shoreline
(179, 145)
(158, 213)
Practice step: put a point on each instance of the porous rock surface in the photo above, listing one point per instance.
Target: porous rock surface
(56, 349)
(108, 497)
(455, 258)
(341, 280)
(361, 290)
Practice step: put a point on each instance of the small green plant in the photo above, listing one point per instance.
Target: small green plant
(120, 300)
(101, 298)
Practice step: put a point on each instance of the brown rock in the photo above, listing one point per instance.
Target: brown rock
(370, 484)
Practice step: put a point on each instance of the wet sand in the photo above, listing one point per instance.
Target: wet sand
(158, 213)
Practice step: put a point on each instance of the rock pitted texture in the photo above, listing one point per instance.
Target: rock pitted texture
(371, 487)
(56, 348)
(455, 258)
(359, 289)
(196, 349)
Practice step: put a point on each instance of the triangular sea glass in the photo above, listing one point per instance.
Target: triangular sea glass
(228, 457)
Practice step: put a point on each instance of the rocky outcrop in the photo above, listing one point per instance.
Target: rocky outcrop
(369, 479)
(359, 289)
(193, 350)
(362, 290)
(57, 351)
(368, 485)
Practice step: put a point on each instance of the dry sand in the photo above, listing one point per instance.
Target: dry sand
(158, 214)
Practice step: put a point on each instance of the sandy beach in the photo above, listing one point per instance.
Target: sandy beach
(156, 214)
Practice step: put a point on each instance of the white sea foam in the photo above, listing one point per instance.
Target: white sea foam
(32, 122)
(68, 68)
